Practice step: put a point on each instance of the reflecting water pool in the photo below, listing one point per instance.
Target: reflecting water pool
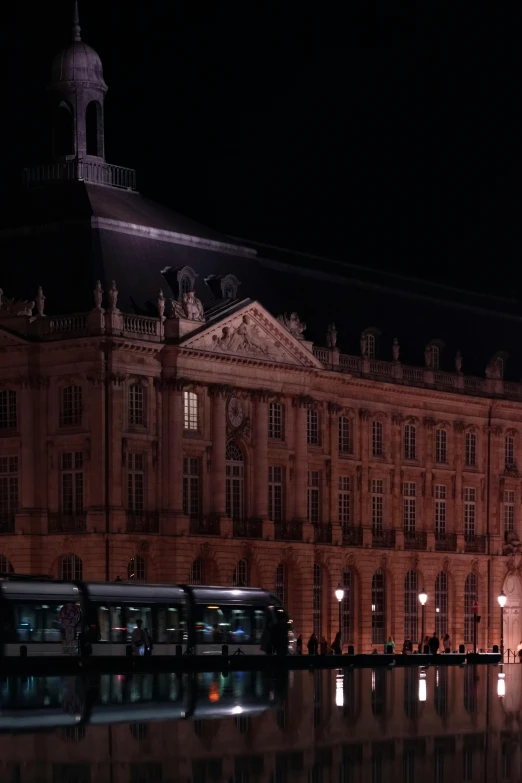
(436, 724)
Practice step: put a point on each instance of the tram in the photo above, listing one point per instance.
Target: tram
(36, 615)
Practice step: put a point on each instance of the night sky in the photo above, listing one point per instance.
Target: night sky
(386, 137)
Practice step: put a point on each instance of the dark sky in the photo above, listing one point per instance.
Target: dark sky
(389, 137)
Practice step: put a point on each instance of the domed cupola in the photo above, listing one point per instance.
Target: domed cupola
(78, 89)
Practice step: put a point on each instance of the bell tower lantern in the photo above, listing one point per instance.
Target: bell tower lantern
(78, 93)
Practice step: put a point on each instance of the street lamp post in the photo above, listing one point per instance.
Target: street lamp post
(339, 594)
(502, 602)
(423, 597)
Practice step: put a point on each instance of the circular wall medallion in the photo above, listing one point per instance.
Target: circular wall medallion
(235, 411)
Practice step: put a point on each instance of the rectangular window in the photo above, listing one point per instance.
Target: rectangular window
(471, 450)
(72, 482)
(276, 421)
(314, 488)
(8, 490)
(509, 511)
(440, 511)
(275, 493)
(510, 451)
(469, 512)
(410, 450)
(377, 505)
(410, 507)
(72, 406)
(345, 501)
(136, 405)
(377, 441)
(313, 430)
(191, 486)
(441, 446)
(345, 435)
(190, 411)
(136, 483)
(7, 410)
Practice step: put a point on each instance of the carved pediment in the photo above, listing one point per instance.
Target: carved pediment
(252, 333)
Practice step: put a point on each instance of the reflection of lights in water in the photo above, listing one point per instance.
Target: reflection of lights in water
(339, 690)
(422, 686)
(373, 680)
(237, 710)
(437, 677)
(501, 685)
(213, 692)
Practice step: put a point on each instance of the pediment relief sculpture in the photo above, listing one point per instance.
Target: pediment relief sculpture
(295, 326)
(12, 307)
(190, 308)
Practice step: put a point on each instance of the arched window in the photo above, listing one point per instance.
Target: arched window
(370, 346)
(441, 445)
(71, 406)
(92, 127)
(410, 446)
(348, 583)
(345, 435)
(137, 397)
(5, 565)
(235, 482)
(378, 607)
(471, 450)
(411, 606)
(317, 608)
(136, 570)
(71, 568)
(280, 583)
(240, 575)
(470, 596)
(441, 604)
(434, 357)
(64, 130)
(196, 572)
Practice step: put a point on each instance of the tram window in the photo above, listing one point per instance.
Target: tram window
(225, 625)
(170, 625)
(260, 618)
(38, 622)
(104, 624)
(123, 621)
(240, 625)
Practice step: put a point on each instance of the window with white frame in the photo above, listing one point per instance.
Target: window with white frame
(71, 568)
(509, 510)
(192, 487)
(137, 397)
(410, 446)
(509, 451)
(377, 506)
(441, 446)
(275, 493)
(136, 570)
(71, 408)
(434, 356)
(370, 346)
(345, 501)
(471, 450)
(72, 482)
(196, 572)
(313, 497)
(410, 506)
(276, 421)
(7, 409)
(190, 411)
(313, 428)
(136, 483)
(377, 439)
(440, 512)
(235, 482)
(8, 490)
(469, 512)
(240, 575)
(345, 435)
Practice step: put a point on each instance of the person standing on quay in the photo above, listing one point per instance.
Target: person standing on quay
(313, 644)
(434, 644)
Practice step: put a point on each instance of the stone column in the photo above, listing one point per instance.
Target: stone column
(219, 444)
(261, 464)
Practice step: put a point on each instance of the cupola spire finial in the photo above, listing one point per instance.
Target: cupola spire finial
(76, 23)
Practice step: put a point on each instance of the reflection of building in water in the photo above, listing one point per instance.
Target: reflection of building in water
(452, 735)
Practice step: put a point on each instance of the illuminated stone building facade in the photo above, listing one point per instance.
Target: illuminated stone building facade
(178, 422)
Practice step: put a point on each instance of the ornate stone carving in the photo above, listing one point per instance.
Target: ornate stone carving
(160, 304)
(303, 401)
(205, 550)
(395, 349)
(331, 336)
(446, 564)
(219, 390)
(458, 362)
(98, 295)
(245, 339)
(350, 560)
(40, 301)
(384, 562)
(143, 547)
(415, 560)
(189, 308)
(288, 554)
(113, 297)
(293, 324)
(429, 422)
(364, 414)
(334, 408)
(475, 566)
(397, 418)
(12, 307)
(459, 426)
(247, 553)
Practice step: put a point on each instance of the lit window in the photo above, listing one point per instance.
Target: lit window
(276, 421)
(410, 441)
(345, 435)
(7, 410)
(441, 446)
(377, 439)
(72, 483)
(313, 432)
(313, 497)
(471, 450)
(190, 411)
(191, 487)
(71, 408)
(275, 493)
(136, 405)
